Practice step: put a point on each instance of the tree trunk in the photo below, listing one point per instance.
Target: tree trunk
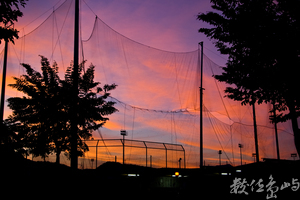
(295, 127)
(58, 151)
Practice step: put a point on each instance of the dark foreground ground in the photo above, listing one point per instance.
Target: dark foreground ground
(271, 179)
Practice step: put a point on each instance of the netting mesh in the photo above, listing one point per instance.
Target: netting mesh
(157, 94)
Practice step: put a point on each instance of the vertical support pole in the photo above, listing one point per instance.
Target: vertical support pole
(151, 161)
(123, 133)
(276, 133)
(253, 156)
(220, 153)
(115, 158)
(146, 153)
(201, 103)
(97, 154)
(3, 81)
(74, 128)
(146, 156)
(255, 133)
(241, 146)
(123, 149)
(184, 159)
(166, 155)
(183, 156)
(241, 154)
(179, 163)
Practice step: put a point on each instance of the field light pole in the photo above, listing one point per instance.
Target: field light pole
(220, 153)
(241, 146)
(294, 155)
(253, 156)
(123, 133)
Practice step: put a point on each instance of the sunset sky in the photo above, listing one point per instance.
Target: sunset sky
(149, 49)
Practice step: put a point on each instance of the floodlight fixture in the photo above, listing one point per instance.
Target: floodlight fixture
(124, 132)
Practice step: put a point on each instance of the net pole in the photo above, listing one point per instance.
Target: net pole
(255, 133)
(276, 133)
(123, 149)
(74, 128)
(3, 80)
(200, 60)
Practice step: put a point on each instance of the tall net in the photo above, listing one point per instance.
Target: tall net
(157, 95)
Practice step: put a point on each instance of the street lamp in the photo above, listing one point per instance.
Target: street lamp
(241, 146)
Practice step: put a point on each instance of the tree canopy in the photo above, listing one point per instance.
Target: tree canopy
(261, 39)
(9, 13)
(42, 118)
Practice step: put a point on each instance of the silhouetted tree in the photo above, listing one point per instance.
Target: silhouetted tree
(41, 119)
(9, 12)
(261, 39)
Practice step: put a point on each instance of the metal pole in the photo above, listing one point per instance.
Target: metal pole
(184, 158)
(123, 133)
(166, 155)
(276, 133)
(146, 152)
(179, 163)
(166, 158)
(253, 155)
(241, 146)
(74, 128)
(97, 153)
(255, 133)
(241, 156)
(220, 152)
(3, 80)
(151, 161)
(201, 104)
(123, 149)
